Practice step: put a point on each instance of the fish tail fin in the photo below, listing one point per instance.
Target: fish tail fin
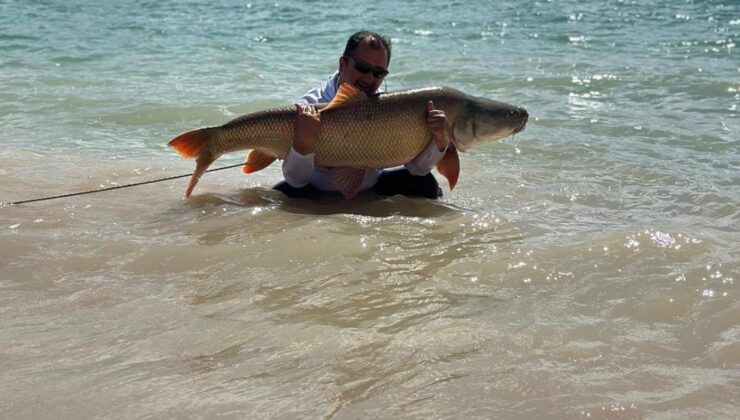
(202, 163)
(194, 144)
(449, 166)
(191, 144)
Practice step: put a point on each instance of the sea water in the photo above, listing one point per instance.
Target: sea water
(584, 268)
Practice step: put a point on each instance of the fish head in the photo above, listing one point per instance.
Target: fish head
(483, 120)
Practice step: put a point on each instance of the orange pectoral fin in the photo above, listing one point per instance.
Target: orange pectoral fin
(449, 166)
(257, 160)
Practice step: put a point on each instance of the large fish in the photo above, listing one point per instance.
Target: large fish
(358, 133)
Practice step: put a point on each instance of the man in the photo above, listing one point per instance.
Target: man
(363, 64)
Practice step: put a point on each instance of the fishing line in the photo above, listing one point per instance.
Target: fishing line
(136, 184)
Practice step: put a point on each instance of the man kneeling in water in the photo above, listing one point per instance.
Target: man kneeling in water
(363, 64)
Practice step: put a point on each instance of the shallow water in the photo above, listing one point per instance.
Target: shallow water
(584, 268)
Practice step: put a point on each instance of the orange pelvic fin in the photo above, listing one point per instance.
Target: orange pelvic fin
(449, 166)
(257, 160)
(349, 180)
(346, 94)
(192, 143)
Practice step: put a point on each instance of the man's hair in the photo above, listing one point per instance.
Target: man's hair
(373, 39)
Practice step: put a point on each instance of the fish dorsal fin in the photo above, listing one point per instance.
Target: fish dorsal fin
(349, 180)
(449, 166)
(346, 94)
(257, 160)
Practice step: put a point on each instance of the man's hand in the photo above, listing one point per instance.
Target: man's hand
(307, 127)
(437, 126)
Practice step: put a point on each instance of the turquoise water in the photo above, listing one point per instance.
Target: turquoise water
(583, 268)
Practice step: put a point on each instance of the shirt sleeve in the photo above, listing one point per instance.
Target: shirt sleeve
(311, 97)
(425, 162)
(321, 94)
(297, 168)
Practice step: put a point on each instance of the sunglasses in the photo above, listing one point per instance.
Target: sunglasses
(365, 68)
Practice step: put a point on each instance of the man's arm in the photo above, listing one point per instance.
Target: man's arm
(437, 126)
(299, 164)
(307, 126)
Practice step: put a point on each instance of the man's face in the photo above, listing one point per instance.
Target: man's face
(364, 57)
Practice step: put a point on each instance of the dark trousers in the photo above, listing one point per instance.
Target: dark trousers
(394, 182)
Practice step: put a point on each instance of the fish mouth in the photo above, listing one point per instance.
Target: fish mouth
(523, 124)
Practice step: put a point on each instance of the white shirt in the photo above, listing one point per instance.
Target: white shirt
(299, 170)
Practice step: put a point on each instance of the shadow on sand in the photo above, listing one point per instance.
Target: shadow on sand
(367, 204)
